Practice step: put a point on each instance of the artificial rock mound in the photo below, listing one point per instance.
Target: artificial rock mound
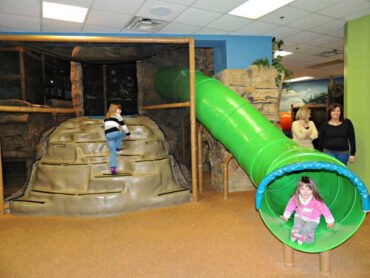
(73, 176)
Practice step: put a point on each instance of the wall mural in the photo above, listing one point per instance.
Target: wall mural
(309, 92)
(313, 92)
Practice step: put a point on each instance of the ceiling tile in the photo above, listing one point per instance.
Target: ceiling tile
(21, 7)
(330, 27)
(178, 28)
(313, 50)
(322, 40)
(125, 31)
(313, 5)
(50, 25)
(357, 14)
(255, 28)
(345, 8)
(181, 2)
(337, 44)
(89, 28)
(197, 17)
(289, 14)
(218, 6)
(229, 22)
(145, 10)
(282, 32)
(295, 47)
(304, 36)
(310, 21)
(20, 21)
(209, 31)
(118, 6)
(338, 34)
(102, 18)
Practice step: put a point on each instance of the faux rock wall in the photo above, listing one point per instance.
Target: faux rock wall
(257, 85)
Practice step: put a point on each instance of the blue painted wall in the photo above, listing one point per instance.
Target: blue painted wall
(230, 52)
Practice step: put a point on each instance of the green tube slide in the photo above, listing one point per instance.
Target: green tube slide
(274, 162)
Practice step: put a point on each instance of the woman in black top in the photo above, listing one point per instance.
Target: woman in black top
(337, 136)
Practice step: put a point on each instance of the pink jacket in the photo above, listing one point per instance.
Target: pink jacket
(310, 211)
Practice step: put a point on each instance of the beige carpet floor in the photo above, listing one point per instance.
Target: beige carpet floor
(209, 239)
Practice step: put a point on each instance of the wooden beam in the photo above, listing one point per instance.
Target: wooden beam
(167, 105)
(86, 39)
(28, 109)
(10, 76)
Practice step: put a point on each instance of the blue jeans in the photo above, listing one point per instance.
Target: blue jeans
(114, 140)
(343, 157)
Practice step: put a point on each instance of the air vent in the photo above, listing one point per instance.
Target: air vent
(144, 24)
(330, 53)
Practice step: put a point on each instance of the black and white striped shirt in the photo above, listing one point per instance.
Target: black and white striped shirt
(114, 123)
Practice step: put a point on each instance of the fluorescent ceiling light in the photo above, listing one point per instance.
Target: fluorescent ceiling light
(257, 8)
(282, 53)
(299, 79)
(63, 12)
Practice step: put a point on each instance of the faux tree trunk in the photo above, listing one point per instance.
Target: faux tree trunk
(77, 88)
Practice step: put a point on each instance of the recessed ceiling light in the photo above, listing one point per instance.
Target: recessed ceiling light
(160, 11)
(257, 8)
(282, 53)
(63, 12)
(299, 79)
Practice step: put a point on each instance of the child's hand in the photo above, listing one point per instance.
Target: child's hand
(283, 218)
(330, 225)
(129, 137)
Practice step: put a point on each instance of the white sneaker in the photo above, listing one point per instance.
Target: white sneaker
(300, 239)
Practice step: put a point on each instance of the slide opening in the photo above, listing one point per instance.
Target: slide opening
(340, 194)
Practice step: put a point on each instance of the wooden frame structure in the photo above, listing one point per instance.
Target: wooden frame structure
(146, 40)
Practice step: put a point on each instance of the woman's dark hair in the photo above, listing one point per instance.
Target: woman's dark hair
(331, 108)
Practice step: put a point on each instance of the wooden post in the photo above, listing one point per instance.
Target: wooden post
(325, 262)
(183, 139)
(1, 185)
(288, 254)
(44, 86)
(193, 120)
(200, 158)
(105, 90)
(226, 175)
(23, 74)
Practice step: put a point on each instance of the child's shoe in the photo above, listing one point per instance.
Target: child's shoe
(293, 236)
(300, 239)
(310, 238)
(113, 171)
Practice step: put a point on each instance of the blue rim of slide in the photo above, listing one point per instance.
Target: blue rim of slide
(357, 182)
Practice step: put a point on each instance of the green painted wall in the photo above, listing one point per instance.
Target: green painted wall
(357, 91)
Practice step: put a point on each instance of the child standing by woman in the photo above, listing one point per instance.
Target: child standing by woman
(308, 205)
(112, 123)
